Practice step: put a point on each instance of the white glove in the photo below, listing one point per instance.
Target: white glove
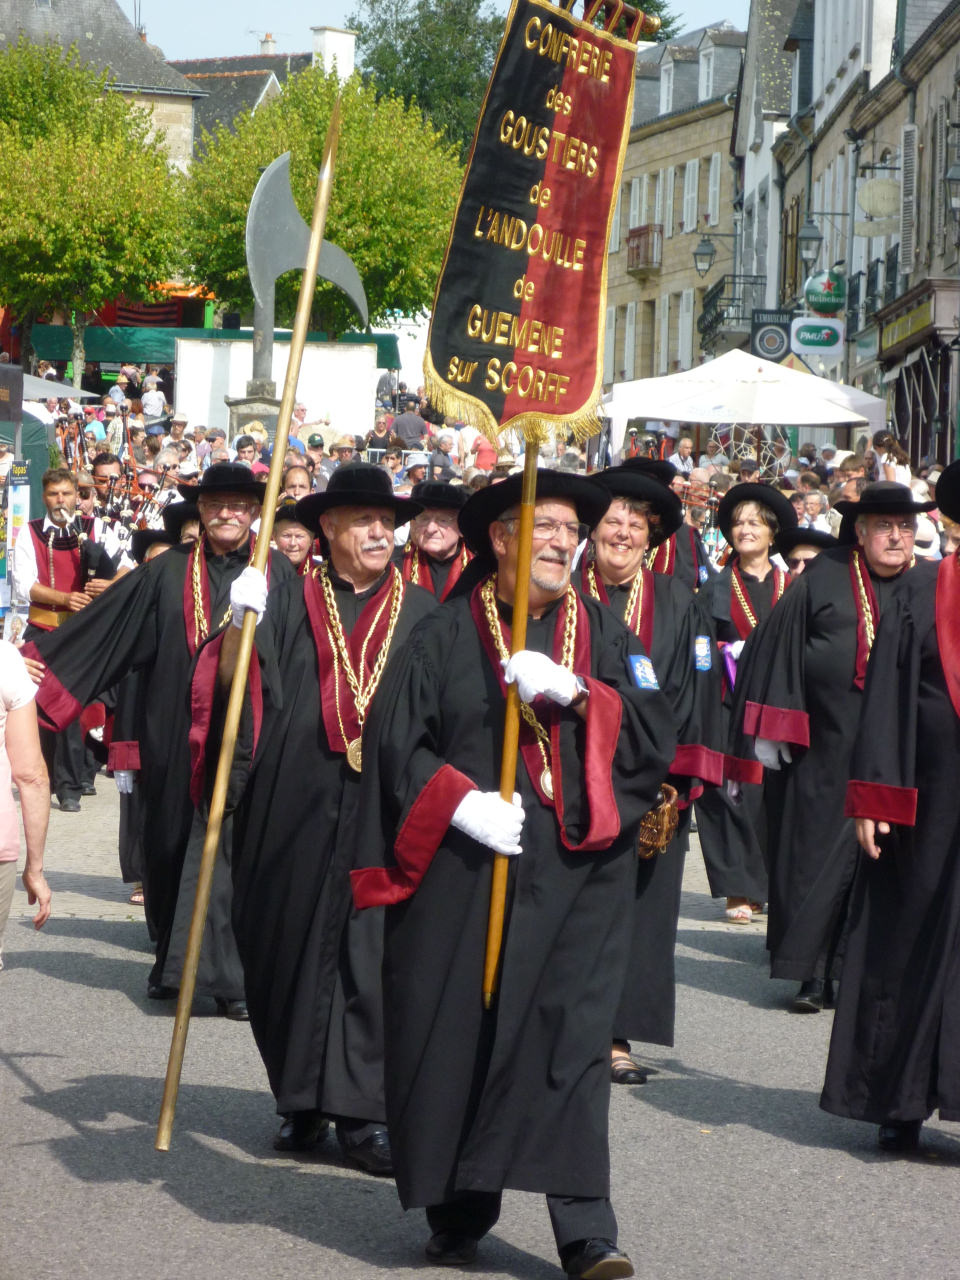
(770, 753)
(490, 820)
(124, 780)
(248, 591)
(535, 673)
(733, 790)
(735, 649)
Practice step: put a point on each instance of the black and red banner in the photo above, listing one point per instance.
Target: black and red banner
(516, 337)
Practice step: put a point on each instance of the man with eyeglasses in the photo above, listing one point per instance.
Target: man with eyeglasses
(435, 556)
(518, 1096)
(153, 621)
(798, 704)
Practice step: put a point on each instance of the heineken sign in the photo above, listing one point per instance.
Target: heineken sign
(826, 292)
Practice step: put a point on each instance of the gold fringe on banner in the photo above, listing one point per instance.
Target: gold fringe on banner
(530, 427)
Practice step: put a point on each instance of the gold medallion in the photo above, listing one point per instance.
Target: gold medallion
(354, 757)
(546, 783)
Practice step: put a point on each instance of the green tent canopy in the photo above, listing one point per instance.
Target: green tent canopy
(115, 344)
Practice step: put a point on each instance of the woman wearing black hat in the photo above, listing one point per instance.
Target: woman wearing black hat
(738, 598)
(798, 700)
(895, 1048)
(662, 613)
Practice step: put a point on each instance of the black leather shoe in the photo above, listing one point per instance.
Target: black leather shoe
(595, 1260)
(69, 805)
(626, 1071)
(899, 1135)
(371, 1154)
(301, 1131)
(450, 1249)
(157, 992)
(235, 1010)
(809, 999)
(88, 791)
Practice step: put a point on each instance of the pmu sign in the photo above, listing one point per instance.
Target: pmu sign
(818, 337)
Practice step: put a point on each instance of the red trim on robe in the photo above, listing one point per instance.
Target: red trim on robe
(203, 688)
(736, 769)
(693, 760)
(863, 652)
(123, 755)
(948, 612)
(56, 706)
(603, 720)
(776, 724)
(93, 716)
(417, 841)
(876, 800)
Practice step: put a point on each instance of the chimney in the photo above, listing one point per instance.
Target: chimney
(334, 48)
(268, 46)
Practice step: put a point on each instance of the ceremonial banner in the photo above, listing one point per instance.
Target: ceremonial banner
(516, 336)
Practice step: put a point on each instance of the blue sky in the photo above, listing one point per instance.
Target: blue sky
(188, 29)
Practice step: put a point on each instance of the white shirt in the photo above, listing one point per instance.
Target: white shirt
(24, 573)
(685, 465)
(154, 402)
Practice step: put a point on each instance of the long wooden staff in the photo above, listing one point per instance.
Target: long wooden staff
(511, 725)
(238, 686)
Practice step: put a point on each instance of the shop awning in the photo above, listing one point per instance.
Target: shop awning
(116, 344)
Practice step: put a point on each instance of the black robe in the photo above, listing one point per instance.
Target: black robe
(517, 1096)
(796, 685)
(732, 831)
(895, 1047)
(687, 666)
(308, 978)
(138, 625)
(686, 552)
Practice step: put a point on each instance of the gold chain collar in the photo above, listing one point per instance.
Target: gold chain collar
(632, 598)
(778, 583)
(362, 691)
(201, 624)
(489, 600)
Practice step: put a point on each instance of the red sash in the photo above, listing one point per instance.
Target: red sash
(664, 559)
(193, 635)
(363, 645)
(641, 621)
(948, 625)
(858, 570)
(415, 571)
(547, 712)
(738, 616)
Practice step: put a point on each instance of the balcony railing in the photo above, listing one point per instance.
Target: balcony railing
(728, 307)
(644, 248)
(874, 296)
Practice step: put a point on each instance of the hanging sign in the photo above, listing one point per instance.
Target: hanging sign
(516, 336)
(819, 337)
(826, 292)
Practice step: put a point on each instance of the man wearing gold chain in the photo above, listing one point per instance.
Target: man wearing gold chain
(312, 969)
(798, 704)
(434, 556)
(153, 621)
(516, 1096)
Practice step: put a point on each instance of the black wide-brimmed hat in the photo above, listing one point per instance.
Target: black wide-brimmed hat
(880, 498)
(439, 493)
(488, 504)
(638, 486)
(356, 484)
(948, 492)
(662, 470)
(144, 539)
(788, 540)
(225, 477)
(176, 514)
(286, 510)
(765, 495)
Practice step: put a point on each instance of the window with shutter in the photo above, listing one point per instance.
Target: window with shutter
(663, 355)
(658, 198)
(666, 87)
(635, 202)
(630, 342)
(713, 196)
(706, 75)
(671, 179)
(609, 344)
(691, 184)
(614, 245)
(686, 329)
(644, 200)
(939, 167)
(908, 197)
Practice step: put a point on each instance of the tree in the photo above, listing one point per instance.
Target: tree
(71, 238)
(440, 53)
(394, 193)
(436, 53)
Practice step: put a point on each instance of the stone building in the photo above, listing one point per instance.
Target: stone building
(107, 40)
(677, 185)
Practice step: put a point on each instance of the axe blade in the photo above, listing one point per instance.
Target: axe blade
(277, 239)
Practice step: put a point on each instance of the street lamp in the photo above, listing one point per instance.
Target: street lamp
(952, 179)
(809, 241)
(704, 255)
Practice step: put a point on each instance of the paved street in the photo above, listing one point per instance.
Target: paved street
(723, 1163)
